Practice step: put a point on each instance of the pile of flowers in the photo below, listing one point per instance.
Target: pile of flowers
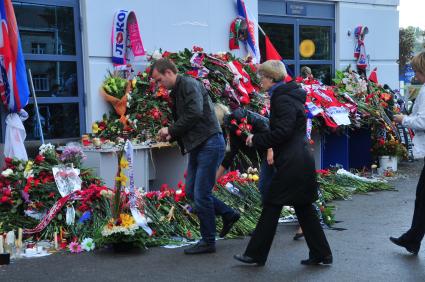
(100, 221)
(228, 80)
(28, 190)
(341, 185)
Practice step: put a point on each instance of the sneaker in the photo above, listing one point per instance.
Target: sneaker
(200, 248)
(228, 223)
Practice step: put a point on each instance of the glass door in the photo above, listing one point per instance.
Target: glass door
(316, 48)
(51, 43)
(301, 42)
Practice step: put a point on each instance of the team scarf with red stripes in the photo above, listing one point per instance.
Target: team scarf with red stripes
(125, 28)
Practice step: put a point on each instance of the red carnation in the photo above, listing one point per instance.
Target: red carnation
(4, 199)
(39, 159)
(238, 132)
(245, 100)
(197, 49)
(156, 114)
(234, 122)
(8, 161)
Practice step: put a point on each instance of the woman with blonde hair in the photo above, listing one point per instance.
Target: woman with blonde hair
(294, 183)
(411, 239)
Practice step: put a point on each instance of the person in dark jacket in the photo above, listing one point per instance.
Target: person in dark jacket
(197, 131)
(258, 158)
(294, 183)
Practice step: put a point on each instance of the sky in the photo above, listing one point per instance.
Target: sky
(412, 13)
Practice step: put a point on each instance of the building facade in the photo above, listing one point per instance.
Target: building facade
(67, 44)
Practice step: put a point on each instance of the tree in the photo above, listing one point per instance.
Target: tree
(407, 43)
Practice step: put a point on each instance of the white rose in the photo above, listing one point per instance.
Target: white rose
(7, 172)
(156, 55)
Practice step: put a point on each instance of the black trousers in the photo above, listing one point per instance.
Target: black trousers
(416, 232)
(262, 239)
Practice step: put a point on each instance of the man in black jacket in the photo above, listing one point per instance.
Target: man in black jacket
(197, 131)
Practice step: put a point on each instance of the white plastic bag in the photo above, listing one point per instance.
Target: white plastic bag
(15, 136)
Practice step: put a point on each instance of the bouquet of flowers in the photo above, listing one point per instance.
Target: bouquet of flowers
(121, 229)
(115, 90)
(243, 128)
(72, 153)
(390, 147)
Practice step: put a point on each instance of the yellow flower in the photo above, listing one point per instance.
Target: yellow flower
(123, 162)
(133, 82)
(122, 178)
(255, 177)
(28, 166)
(95, 128)
(126, 220)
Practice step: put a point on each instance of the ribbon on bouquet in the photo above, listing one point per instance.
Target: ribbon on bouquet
(125, 26)
(135, 201)
(52, 213)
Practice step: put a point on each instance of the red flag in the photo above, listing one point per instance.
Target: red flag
(271, 52)
(374, 76)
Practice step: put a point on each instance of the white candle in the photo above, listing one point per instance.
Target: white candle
(10, 238)
(1, 244)
(56, 240)
(19, 237)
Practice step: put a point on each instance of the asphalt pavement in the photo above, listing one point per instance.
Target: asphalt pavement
(362, 252)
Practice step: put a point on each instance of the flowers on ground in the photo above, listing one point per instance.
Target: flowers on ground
(125, 225)
(74, 247)
(88, 244)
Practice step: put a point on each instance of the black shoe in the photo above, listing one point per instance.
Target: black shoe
(316, 261)
(200, 248)
(248, 260)
(411, 248)
(228, 223)
(298, 236)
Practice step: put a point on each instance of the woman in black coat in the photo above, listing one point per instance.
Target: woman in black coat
(294, 183)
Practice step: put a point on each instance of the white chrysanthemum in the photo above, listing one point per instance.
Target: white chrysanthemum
(88, 244)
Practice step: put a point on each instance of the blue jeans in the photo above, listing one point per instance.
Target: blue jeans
(204, 161)
(266, 175)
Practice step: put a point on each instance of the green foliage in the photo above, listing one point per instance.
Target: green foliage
(406, 45)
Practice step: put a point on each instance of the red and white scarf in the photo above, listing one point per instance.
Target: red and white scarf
(125, 27)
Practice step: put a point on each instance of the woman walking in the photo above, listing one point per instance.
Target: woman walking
(294, 182)
(411, 240)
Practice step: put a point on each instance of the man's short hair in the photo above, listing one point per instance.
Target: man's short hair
(162, 65)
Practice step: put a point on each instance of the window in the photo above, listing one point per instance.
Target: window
(41, 83)
(51, 45)
(301, 42)
(38, 48)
